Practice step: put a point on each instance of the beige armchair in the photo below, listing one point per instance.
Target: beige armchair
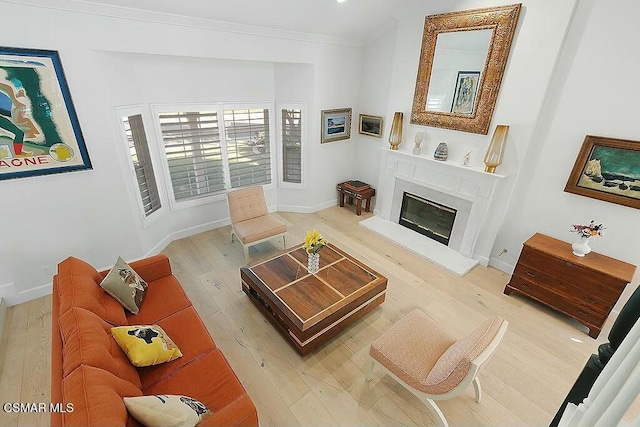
(251, 222)
(429, 362)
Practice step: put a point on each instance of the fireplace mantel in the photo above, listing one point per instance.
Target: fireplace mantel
(443, 182)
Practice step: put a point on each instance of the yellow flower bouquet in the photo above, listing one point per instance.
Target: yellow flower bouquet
(314, 242)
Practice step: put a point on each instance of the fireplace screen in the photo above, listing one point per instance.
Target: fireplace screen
(426, 217)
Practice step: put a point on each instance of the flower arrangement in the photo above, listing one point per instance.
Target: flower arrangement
(314, 242)
(588, 230)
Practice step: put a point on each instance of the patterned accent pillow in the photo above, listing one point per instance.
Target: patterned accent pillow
(167, 410)
(146, 345)
(125, 286)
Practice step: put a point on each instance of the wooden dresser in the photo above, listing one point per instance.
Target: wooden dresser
(583, 288)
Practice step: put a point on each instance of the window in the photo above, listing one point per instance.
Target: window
(248, 146)
(140, 162)
(194, 154)
(212, 148)
(291, 146)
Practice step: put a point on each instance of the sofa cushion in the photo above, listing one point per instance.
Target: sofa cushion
(164, 297)
(210, 380)
(190, 335)
(97, 396)
(167, 410)
(87, 340)
(125, 285)
(146, 345)
(78, 286)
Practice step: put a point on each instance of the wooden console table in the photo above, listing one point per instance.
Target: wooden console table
(359, 191)
(585, 289)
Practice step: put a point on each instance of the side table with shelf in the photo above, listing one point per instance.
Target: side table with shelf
(585, 289)
(357, 190)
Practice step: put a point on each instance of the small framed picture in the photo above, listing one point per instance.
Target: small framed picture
(607, 169)
(336, 125)
(370, 125)
(464, 97)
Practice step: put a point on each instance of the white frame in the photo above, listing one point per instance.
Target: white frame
(219, 107)
(132, 110)
(281, 105)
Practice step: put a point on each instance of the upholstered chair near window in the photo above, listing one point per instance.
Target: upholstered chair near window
(251, 222)
(432, 364)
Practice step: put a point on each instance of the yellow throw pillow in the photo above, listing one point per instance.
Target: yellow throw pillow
(167, 410)
(145, 345)
(125, 285)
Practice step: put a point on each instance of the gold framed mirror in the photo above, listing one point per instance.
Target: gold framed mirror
(462, 62)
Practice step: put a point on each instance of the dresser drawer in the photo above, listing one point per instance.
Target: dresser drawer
(575, 292)
(557, 301)
(590, 282)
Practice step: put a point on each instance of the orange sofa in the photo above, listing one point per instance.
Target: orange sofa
(89, 371)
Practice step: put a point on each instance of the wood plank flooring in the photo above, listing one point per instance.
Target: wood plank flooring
(524, 383)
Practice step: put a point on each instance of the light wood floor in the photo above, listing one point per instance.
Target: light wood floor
(524, 382)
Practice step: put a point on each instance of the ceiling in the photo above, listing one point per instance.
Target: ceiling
(358, 21)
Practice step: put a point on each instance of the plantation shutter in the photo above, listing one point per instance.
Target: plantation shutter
(193, 151)
(142, 166)
(292, 145)
(248, 146)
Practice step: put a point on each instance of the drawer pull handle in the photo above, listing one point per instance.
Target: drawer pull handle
(522, 285)
(530, 274)
(592, 301)
(567, 263)
(584, 313)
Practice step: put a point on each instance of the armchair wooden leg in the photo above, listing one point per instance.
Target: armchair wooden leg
(477, 388)
(436, 411)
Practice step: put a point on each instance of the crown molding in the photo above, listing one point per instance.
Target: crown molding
(91, 8)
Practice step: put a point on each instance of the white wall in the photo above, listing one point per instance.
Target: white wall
(536, 45)
(109, 61)
(591, 95)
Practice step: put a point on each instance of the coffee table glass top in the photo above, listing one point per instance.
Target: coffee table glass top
(306, 298)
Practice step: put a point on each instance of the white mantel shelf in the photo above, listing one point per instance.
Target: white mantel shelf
(447, 163)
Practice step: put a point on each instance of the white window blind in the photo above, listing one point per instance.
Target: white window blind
(248, 145)
(142, 166)
(292, 145)
(194, 154)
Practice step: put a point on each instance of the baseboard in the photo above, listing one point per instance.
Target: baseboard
(12, 296)
(501, 265)
(3, 314)
(307, 209)
(186, 233)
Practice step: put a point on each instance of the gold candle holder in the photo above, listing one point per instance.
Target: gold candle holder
(495, 152)
(395, 137)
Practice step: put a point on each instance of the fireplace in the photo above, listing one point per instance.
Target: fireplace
(427, 217)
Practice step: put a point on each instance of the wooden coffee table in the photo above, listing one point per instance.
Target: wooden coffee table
(310, 309)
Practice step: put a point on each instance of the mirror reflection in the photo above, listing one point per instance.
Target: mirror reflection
(458, 64)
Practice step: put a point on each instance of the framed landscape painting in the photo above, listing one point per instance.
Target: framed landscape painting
(336, 125)
(464, 97)
(607, 169)
(39, 129)
(370, 125)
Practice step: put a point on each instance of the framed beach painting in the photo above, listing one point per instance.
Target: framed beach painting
(607, 169)
(39, 129)
(370, 125)
(336, 125)
(464, 97)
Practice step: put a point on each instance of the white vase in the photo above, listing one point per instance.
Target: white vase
(581, 248)
(313, 263)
